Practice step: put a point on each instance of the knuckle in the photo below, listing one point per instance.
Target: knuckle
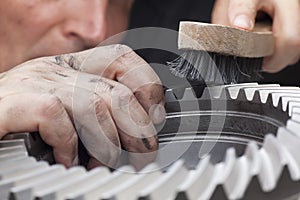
(292, 40)
(122, 91)
(294, 59)
(101, 109)
(126, 91)
(51, 106)
(242, 7)
(272, 69)
(126, 56)
(124, 95)
(104, 119)
(122, 49)
(150, 92)
(71, 142)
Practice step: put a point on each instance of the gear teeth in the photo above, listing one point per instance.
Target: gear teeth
(280, 104)
(178, 93)
(269, 171)
(291, 143)
(254, 190)
(219, 193)
(256, 98)
(266, 178)
(286, 187)
(128, 189)
(287, 99)
(294, 127)
(293, 108)
(247, 166)
(172, 95)
(277, 157)
(224, 170)
(169, 182)
(250, 91)
(251, 153)
(276, 98)
(270, 101)
(264, 96)
(237, 180)
(12, 143)
(189, 95)
(169, 96)
(265, 92)
(206, 94)
(215, 92)
(242, 96)
(12, 150)
(296, 117)
(230, 159)
(235, 88)
(194, 186)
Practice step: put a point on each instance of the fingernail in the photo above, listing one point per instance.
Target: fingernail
(243, 21)
(157, 113)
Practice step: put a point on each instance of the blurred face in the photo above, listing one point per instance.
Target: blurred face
(35, 28)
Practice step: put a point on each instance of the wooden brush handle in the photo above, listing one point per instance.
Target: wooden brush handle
(227, 40)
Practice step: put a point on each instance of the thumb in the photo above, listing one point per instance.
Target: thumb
(242, 14)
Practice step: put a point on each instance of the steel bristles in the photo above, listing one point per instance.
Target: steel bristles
(216, 68)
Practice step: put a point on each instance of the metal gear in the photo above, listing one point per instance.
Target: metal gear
(242, 143)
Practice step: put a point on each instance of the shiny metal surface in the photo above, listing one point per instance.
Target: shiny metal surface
(230, 142)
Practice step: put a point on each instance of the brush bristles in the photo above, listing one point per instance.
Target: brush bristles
(216, 68)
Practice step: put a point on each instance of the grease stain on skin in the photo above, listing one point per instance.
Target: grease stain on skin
(146, 142)
(53, 91)
(73, 62)
(48, 78)
(59, 60)
(24, 79)
(67, 61)
(62, 75)
(94, 80)
(103, 83)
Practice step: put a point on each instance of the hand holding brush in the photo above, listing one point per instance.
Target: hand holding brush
(241, 48)
(285, 15)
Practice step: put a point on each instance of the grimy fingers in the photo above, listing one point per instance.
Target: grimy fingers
(88, 100)
(44, 113)
(91, 116)
(96, 100)
(136, 131)
(120, 63)
(96, 127)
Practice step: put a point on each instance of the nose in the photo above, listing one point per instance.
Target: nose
(86, 21)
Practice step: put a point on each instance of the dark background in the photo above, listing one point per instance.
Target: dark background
(168, 13)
